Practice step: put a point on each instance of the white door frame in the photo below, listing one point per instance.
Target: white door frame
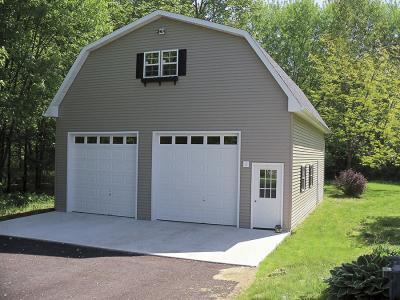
(70, 141)
(199, 132)
(253, 191)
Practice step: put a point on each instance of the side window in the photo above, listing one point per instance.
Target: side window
(310, 176)
(302, 178)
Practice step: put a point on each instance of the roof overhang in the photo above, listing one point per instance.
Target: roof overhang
(293, 104)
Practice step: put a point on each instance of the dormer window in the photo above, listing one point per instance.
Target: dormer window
(151, 64)
(167, 66)
(162, 65)
(169, 63)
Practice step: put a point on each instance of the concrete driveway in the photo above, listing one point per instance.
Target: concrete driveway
(46, 270)
(212, 243)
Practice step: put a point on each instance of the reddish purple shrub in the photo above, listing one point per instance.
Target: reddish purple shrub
(351, 183)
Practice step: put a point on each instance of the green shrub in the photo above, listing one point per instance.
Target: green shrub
(363, 278)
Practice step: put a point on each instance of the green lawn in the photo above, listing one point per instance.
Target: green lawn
(339, 230)
(12, 205)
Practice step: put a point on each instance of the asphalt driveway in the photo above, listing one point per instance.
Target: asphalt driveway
(45, 270)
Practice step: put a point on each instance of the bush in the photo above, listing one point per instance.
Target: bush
(363, 278)
(351, 183)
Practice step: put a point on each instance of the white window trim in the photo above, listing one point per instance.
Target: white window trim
(173, 63)
(146, 65)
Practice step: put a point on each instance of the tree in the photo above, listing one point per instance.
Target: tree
(41, 39)
(290, 34)
(359, 97)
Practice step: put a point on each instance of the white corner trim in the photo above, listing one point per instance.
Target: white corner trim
(52, 111)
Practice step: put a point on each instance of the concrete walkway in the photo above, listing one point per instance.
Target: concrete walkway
(212, 243)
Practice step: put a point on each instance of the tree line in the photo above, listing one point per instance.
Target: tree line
(345, 55)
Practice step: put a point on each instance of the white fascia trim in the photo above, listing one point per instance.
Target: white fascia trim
(308, 117)
(52, 111)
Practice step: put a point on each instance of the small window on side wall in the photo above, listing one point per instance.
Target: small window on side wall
(310, 176)
(302, 179)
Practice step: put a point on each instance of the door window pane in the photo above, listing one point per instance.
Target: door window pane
(268, 180)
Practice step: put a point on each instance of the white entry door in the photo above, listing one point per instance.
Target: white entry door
(195, 177)
(267, 195)
(102, 173)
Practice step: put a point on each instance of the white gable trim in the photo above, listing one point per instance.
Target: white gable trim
(293, 104)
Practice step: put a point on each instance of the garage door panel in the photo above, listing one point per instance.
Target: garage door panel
(102, 177)
(195, 183)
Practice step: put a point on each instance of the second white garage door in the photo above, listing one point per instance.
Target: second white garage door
(195, 177)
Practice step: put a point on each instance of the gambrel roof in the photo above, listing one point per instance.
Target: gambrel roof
(297, 101)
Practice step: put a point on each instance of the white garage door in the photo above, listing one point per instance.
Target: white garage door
(102, 174)
(195, 177)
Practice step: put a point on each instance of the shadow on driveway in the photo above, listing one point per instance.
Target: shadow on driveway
(13, 245)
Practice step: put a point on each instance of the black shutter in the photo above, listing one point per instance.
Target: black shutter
(301, 178)
(182, 62)
(139, 65)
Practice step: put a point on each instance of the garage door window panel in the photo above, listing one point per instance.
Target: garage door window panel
(131, 140)
(197, 140)
(165, 140)
(230, 140)
(92, 139)
(79, 140)
(104, 140)
(213, 140)
(181, 140)
(118, 139)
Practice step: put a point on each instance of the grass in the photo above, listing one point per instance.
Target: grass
(338, 231)
(17, 204)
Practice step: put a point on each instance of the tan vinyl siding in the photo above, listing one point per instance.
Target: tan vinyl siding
(308, 149)
(226, 88)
